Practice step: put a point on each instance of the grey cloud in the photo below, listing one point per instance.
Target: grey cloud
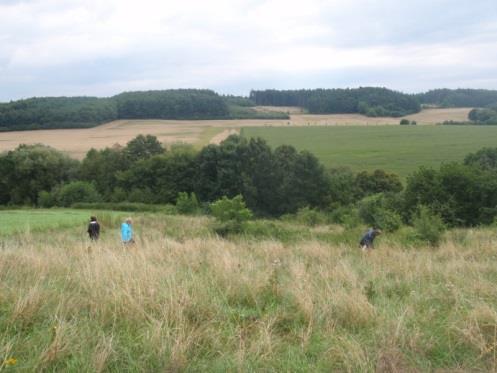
(243, 49)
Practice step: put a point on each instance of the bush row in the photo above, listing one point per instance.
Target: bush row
(271, 182)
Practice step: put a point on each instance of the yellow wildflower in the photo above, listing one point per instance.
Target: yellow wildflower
(11, 361)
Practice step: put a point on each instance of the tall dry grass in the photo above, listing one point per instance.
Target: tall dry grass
(196, 302)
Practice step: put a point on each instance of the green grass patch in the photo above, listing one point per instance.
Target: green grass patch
(282, 296)
(399, 149)
(243, 112)
(40, 220)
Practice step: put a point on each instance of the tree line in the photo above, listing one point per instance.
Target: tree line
(81, 112)
(56, 112)
(72, 112)
(486, 115)
(370, 101)
(272, 182)
(458, 97)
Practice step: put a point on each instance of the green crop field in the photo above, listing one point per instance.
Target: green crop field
(399, 149)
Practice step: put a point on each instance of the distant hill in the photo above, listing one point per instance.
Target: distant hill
(370, 101)
(459, 97)
(83, 112)
(193, 104)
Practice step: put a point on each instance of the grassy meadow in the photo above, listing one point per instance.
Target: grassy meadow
(399, 149)
(42, 220)
(281, 297)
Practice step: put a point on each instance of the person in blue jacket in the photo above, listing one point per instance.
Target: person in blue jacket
(366, 242)
(127, 231)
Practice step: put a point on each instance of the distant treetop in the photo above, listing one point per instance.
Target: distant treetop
(370, 101)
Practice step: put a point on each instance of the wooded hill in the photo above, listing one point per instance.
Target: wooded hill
(82, 112)
(459, 97)
(193, 104)
(370, 101)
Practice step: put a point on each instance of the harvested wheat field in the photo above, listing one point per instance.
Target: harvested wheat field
(285, 298)
(426, 116)
(76, 142)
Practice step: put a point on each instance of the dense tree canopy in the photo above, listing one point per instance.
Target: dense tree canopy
(462, 195)
(30, 169)
(484, 115)
(80, 112)
(458, 97)
(273, 182)
(72, 112)
(171, 104)
(485, 158)
(56, 112)
(370, 101)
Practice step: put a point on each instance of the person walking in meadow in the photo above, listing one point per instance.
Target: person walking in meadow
(127, 232)
(93, 229)
(366, 242)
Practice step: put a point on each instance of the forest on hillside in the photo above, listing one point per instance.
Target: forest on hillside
(459, 97)
(83, 112)
(193, 104)
(370, 101)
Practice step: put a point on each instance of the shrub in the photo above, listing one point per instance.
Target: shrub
(46, 199)
(373, 211)
(76, 191)
(310, 217)
(187, 203)
(378, 181)
(142, 195)
(348, 216)
(230, 215)
(404, 121)
(118, 195)
(429, 227)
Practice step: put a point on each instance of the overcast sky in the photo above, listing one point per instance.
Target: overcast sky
(100, 48)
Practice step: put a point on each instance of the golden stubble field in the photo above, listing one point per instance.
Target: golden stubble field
(76, 142)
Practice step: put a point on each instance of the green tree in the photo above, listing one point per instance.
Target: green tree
(428, 226)
(74, 192)
(378, 181)
(374, 211)
(462, 195)
(485, 158)
(30, 169)
(143, 147)
(231, 214)
(102, 168)
(343, 187)
(161, 177)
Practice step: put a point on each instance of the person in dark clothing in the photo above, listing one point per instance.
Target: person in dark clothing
(93, 229)
(366, 242)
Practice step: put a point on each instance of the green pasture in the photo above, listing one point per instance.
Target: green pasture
(399, 149)
(39, 220)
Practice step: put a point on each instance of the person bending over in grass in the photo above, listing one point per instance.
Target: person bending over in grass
(366, 242)
(127, 232)
(93, 229)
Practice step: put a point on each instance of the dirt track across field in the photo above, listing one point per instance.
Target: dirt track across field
(76, 142)
(223, 135)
